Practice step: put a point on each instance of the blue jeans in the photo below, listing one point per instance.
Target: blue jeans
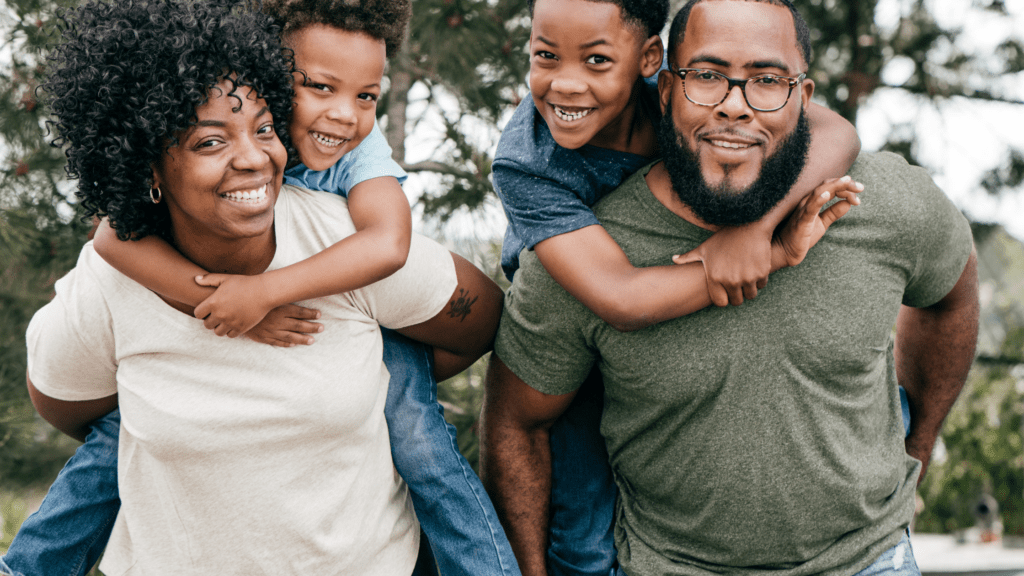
(454, 511)
(68, 533)
(583, 491)
(896, 561)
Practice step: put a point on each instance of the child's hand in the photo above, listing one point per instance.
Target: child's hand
(239, 303)
(807, 224)
(286, 326)
(736, 263)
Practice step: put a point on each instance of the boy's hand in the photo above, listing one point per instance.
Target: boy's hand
(737, 261)
(807, 224)
(286, 326)
(239, 303)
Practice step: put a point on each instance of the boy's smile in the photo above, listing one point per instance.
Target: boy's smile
(336, 91)
(585, 60)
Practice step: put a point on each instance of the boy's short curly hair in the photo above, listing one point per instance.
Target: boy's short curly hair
(382, 19)
(128, 77)
(649, 16)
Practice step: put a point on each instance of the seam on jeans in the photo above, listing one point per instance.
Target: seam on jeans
(80, 569)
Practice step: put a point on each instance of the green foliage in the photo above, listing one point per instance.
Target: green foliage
(983, 442)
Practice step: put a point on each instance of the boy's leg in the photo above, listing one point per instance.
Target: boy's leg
(68, 533)
(583, 491)
(453, 509)
(896, 561)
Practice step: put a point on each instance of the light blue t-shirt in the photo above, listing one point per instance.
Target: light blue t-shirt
(548, 190)
(370, 159)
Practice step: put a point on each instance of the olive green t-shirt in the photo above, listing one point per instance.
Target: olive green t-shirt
(763, 438)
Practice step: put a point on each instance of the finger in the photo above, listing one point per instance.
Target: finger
(749, 291)
(233, 334)
(210, 280)
(221, 330)
(735, 296)
(762, 283)
(202, 311)
(210, 322)
(835, 212)
(263, 338)
(691, 256)
(719, 297)
(300, 312)
(292, 338)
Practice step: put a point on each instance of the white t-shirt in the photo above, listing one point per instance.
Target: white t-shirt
(237, 457)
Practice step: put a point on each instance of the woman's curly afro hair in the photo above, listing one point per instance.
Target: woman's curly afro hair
(382, 19)
(128, 77)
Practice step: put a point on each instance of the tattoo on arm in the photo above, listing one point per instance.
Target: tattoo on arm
(460, 307)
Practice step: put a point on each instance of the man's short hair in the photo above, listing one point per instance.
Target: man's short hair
(648, 16)
(678, 30)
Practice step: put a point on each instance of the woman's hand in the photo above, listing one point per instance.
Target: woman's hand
(806, 226)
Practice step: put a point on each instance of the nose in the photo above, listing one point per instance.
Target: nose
(342, 112)
(252, 155)
(735, 106)
(568, 81)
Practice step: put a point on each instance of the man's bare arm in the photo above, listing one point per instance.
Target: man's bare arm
(934, 352)
(515, 460)
(71, 418)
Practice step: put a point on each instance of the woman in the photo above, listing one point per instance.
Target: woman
(234, 457)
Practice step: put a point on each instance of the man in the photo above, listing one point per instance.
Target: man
(765, 438)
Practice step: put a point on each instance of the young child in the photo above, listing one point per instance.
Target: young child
(591, 122)
(342, 150)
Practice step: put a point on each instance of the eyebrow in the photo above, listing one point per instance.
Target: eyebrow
(755, 64)
(591, 44)
(332, 78)
(218, 123)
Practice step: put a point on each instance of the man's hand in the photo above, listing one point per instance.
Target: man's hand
(286, 326)
(807, 224)
(737, 260)
(239, 303)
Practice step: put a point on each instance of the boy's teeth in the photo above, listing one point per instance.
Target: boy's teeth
(571, 116)
(327, 141)
(248, 195)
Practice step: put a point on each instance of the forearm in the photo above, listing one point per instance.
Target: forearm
(934, 351)
(591, 267)
(354, 262)
(515, 467)
(153, 263)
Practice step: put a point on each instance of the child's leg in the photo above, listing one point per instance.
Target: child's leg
(454, 511)
(67, 534)
(583, 491)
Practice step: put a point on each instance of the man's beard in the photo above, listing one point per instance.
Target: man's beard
(724, 205)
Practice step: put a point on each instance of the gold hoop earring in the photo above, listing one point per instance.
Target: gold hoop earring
(155, 197)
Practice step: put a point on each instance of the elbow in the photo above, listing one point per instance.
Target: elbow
(393, 254)
(623, 314)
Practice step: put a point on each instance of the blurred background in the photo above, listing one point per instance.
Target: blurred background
(940, 82)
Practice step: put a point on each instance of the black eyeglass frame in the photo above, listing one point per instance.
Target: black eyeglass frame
(793, 82)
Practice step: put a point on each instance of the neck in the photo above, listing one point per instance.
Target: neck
(247, 256)
(660, 184)
(632, 131)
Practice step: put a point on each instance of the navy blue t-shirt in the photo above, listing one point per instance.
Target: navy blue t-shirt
(548, 190)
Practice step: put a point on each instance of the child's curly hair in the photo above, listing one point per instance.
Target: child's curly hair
(648, 16)
(382, 19)
(128, 77)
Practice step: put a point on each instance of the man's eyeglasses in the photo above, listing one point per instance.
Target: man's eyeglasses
(764, 93)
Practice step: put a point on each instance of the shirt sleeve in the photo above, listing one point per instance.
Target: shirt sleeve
(542, 336)
(944, 240)
(538, 208)
(416, 292)
(70, 341)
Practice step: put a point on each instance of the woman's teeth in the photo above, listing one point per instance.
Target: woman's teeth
(327, 141)
(248, 195)
(571, 116)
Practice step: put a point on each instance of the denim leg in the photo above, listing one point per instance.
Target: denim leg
(905, 410)
(896, 561)
(453, 509)
(68, 533)
(583, 491)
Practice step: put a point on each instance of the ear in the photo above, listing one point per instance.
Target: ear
(651, 54)
(665, 79)
(155, 181)
(806, 91)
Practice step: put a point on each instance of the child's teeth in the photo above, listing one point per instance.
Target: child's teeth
(571, 116)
